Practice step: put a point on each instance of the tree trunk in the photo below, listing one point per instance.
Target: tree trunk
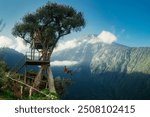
(45, 68)
(50, 80)
(38, 78)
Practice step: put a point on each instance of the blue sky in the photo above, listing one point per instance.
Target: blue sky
(129, 20)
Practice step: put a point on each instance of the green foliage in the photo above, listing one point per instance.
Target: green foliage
(5, 83)
(3, 68)
(7, 94)
(61, 84)
(50, 96)
(48, 24)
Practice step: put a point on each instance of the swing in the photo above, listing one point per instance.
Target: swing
(67, 71)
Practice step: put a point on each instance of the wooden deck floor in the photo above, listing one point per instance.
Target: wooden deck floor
(31, 62)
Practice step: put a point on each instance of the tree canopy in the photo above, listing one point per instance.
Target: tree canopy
(48, 24)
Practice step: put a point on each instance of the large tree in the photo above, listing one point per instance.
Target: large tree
(47, 25)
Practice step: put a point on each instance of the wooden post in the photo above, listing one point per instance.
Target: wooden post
(31, 88)
(31, 54)
(30, 92)
(25, 76)
(21, 91)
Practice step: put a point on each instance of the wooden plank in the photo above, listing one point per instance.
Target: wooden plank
(31, 88)
(31, 62)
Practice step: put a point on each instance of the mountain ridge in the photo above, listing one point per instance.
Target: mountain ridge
(102, 57)
(102, 71)
(99, 57)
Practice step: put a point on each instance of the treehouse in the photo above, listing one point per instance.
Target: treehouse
(37, 56)
(36, 44)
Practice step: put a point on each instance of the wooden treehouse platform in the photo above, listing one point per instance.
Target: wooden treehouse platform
(35, 59)
(29, 59)
(36, 62)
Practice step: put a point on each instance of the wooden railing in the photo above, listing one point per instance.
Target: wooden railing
(36, 56)
(30, 88)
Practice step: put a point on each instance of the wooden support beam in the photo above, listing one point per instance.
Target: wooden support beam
(31, 88)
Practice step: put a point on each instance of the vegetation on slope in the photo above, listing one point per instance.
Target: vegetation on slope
(10, 89)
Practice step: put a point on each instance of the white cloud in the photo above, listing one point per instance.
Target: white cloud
(64, 63)
(18, 44)
(105, 37)
(67, 45)
(21, 46)
(6, 42)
